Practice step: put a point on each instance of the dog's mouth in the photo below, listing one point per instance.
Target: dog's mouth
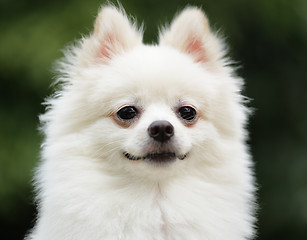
(163, 157)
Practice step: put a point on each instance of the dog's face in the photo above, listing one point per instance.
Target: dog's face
(152, 111)
(156, 112)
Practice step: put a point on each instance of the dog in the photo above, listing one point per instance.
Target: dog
(146, 142)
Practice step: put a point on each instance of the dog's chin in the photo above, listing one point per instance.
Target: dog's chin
(157, 158)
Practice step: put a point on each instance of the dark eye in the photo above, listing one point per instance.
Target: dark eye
(127, 113)
(187, 113)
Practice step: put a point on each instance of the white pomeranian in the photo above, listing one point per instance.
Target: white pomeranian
(146, 142)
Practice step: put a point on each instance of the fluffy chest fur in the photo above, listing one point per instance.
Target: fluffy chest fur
(211, 203)
(95, 206)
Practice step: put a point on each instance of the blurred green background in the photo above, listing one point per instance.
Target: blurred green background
(268, 38)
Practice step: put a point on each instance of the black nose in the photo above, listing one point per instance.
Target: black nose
(161, 131)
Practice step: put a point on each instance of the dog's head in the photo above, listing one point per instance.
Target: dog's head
(161, 109)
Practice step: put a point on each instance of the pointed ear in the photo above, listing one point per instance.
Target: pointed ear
(113, 34)
(190, 33)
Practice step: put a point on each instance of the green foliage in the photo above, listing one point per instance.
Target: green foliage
(269, 39)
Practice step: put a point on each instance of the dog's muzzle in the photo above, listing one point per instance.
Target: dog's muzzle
(161, 132)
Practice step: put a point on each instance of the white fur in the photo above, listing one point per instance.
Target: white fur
(88, 190)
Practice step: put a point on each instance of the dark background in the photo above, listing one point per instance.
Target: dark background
(266, 37)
